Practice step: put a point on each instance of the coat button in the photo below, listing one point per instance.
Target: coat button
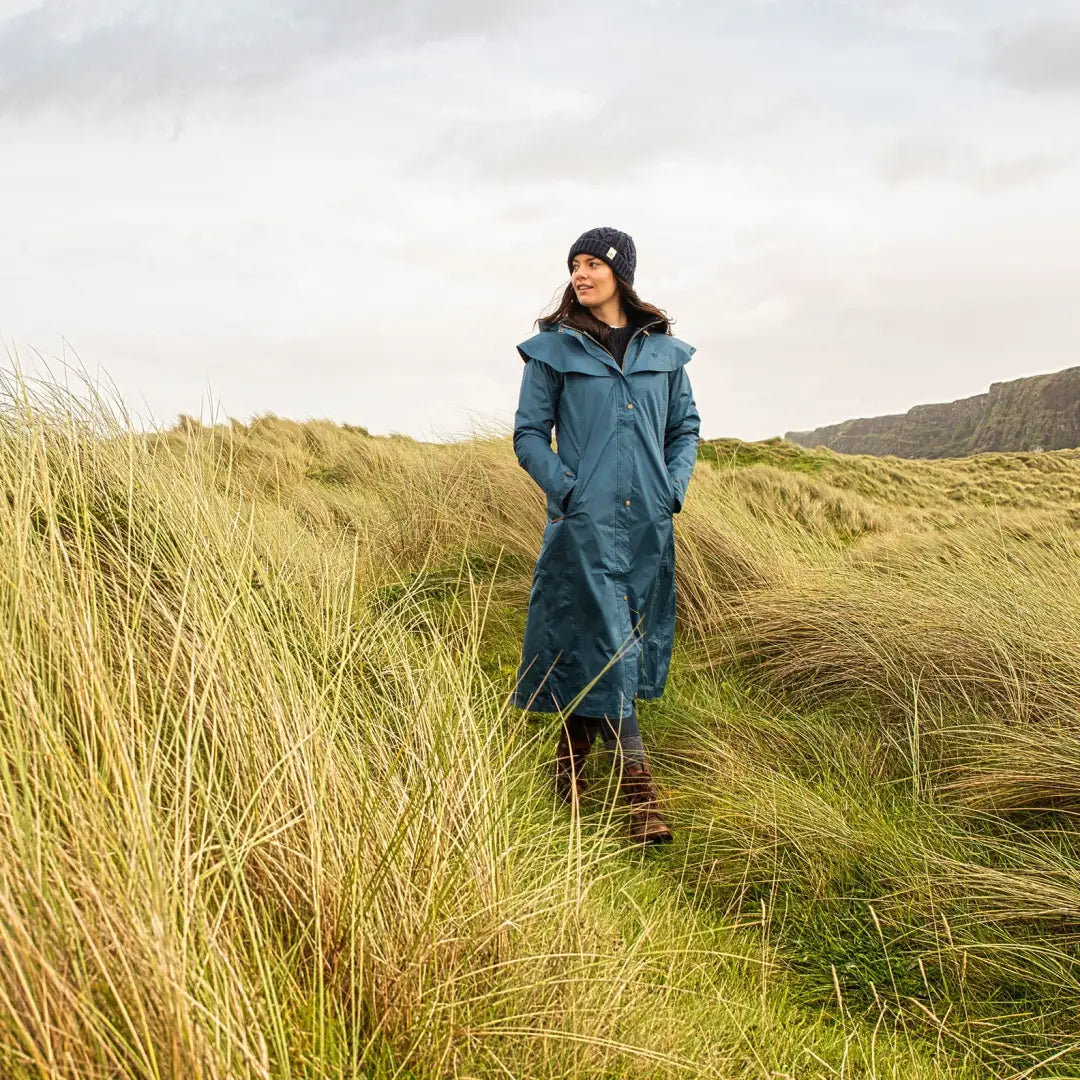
(625, 597)
(629, 404)
(627, 502)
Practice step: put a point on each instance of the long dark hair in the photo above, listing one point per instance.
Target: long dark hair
(570, 311)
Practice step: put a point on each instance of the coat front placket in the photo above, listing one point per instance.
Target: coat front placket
(630, 661)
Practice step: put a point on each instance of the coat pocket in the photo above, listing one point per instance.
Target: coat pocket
(549, 543)
(568, 502)
(674, 505)
(659, 624)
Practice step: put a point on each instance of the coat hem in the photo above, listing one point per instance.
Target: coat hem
(548, 705)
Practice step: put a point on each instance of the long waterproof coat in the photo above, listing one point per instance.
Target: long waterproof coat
(603, 589)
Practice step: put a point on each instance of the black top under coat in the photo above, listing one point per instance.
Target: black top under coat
(618, 339)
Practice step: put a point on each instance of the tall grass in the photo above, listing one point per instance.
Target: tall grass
(256, 823)
(265, 811)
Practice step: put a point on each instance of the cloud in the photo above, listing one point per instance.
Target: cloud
(930, 158)
(109, 55)
(1039, 56)
(656, 117)
(608, 141)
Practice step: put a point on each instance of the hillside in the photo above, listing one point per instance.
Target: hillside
(1041, 412)
(265, 811)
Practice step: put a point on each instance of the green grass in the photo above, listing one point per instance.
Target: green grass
(265, 810)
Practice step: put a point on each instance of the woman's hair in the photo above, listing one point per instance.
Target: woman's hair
(576, 315)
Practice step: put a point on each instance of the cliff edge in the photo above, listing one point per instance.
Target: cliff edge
(1040, 412)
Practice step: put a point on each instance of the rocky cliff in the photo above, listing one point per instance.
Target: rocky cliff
(1041, 412)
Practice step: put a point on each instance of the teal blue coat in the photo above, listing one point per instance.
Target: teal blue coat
(603, 589)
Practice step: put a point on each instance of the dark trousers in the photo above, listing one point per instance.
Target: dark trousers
(618, 735)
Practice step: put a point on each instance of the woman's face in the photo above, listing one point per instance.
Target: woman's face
(593, 280)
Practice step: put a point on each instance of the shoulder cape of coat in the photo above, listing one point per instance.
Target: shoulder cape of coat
(601, 618)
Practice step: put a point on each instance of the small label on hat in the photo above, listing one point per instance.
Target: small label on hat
(611, 253)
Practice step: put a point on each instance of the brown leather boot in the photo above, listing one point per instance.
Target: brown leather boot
(647, 826)
(575, 741)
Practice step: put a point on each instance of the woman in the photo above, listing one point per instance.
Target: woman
(606, 373)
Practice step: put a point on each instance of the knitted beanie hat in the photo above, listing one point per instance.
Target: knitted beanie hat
(614, 247)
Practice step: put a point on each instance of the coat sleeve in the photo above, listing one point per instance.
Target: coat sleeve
(533, 421)
(681, 434)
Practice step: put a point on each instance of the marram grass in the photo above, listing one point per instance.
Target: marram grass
(265, 811)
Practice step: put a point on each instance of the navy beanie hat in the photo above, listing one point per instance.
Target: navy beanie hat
(614, 247)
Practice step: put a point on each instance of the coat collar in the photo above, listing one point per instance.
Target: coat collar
(642, 322)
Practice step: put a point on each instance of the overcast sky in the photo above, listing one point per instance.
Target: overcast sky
(356, 210)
